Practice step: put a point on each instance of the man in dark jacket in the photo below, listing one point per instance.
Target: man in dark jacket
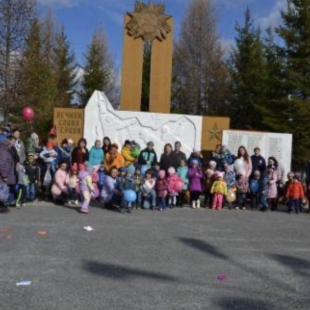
(258, 162)
(178, 154)
(148, 156)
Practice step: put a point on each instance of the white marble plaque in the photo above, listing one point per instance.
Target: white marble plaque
(101, 120)
(278, 145)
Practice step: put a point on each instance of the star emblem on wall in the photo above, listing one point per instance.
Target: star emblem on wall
(215, 133)
(149, 22)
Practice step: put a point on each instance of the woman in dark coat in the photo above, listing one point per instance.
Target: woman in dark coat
(80, 154)
(7, 167)
(167, 159)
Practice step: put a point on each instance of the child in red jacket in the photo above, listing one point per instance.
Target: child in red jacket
(295, 194)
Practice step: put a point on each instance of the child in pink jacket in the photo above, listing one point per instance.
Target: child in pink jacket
(172, 180)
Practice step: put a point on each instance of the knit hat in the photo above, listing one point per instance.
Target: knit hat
(49, 144)
(74, 167)
(7, 130)
(123, 169)
(212, 164)
(171, 170)
(218, 174)
(195, 162)
(162, 174)
(131, 170)
(34, 136)
(81, 167)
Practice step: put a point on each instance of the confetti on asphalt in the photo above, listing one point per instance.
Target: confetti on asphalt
(88, 228)
(42, 233)
(222, 277)
(23, 283)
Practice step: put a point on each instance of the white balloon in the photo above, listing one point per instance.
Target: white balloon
(238, 165)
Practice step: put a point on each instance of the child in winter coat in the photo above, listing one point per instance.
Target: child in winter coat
(148, 192)
(172, 180)
(138, 182)
(295, 194)
(161, 190)
(208, 182)
(73, 186)
(230, 180)
(273, 191)
(86, 188)
(242, 190)
(195, 176)
(255, 185)
(219, 189)
(183, 174)
(23, 182)
(101, 177)
(127, 183)
(33, 173)
(264, 190)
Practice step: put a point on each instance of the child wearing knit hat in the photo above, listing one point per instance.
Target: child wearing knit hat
(195, 176)
(219, 189)
(161, 190)
(172, 180)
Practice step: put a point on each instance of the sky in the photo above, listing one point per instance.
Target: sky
(82, 17)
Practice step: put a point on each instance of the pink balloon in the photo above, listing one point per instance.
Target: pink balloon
(28, 114)
(178, 186)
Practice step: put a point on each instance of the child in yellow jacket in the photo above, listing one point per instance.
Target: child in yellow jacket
(219, 189)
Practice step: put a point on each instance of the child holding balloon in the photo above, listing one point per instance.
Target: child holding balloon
(173, 181)
(255, 185)
(230, 180)
(219, 189)
(242, 190)
(128, 188)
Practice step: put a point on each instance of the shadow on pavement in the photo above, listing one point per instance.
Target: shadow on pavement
(122, 273)
(204, 247)
(296, 264)
(230, 303)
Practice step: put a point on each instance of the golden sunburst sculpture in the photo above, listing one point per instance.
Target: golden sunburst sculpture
(149, 22)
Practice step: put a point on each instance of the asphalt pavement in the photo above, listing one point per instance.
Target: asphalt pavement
(150, 260)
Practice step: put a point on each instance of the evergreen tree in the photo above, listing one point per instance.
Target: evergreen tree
(294, 107)
(38, 88)
(199, 84)
(65, 71)
(98, 70)
(248, 78)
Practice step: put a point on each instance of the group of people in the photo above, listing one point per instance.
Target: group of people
(131, 178)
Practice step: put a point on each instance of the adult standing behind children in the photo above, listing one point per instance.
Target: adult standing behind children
(80, 154)
(243, 163)
(19, 145)
(167, 158)
(148, 156)
(113, 159)
(96, 155)
(106, 145)
(258, 162)
(178, 154)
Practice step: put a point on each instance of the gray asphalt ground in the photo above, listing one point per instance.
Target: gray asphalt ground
(154, 260)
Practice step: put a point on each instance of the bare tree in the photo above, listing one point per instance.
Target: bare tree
(199, 69)
(16, 17)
